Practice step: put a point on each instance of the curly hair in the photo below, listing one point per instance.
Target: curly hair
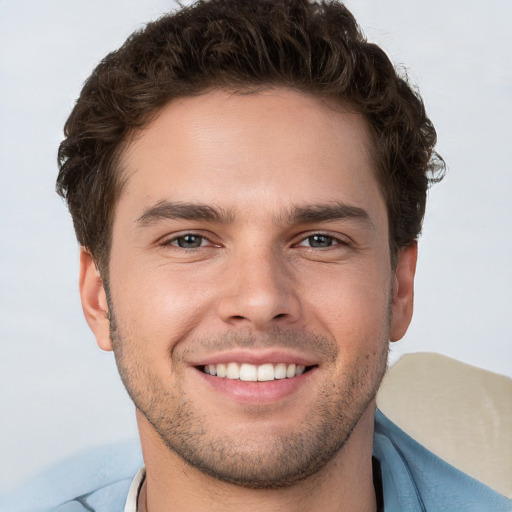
(313, 47)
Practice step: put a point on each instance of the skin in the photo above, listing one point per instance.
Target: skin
(262, 280)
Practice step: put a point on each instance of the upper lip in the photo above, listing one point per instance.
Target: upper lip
(256, 357)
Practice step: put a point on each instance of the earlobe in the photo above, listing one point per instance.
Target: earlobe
(94, 300)
(403, 291)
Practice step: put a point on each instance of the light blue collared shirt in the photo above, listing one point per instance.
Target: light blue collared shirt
(413, 480)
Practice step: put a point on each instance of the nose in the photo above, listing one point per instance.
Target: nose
(258, 291)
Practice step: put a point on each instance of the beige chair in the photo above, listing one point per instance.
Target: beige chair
(461, 413)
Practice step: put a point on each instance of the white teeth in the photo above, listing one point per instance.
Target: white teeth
(253, 373)
(280, 371)
(221, 370)
(249, 372)
(266, 372)
(232, 371)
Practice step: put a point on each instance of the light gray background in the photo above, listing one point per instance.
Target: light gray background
(58, 392)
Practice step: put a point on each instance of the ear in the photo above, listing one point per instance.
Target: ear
(94, 300)
(403, 291)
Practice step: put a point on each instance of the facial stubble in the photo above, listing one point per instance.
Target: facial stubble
(272, 461)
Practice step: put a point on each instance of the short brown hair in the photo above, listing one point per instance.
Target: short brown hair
(313, 47)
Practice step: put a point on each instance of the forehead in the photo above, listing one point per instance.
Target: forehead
(250, 153)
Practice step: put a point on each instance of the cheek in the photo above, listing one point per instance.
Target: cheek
(158, 304)
(352, 304)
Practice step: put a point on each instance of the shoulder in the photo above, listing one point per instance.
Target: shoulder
(414, 478)
(97, 480)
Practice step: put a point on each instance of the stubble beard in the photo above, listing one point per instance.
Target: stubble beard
(281, 460)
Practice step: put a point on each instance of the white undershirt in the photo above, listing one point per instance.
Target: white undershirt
(133, 493)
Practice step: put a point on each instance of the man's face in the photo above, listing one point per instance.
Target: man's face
(251, 242)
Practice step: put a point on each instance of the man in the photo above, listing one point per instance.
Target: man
(247, 181)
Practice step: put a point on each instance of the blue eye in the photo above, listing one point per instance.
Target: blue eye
(319, 241)
(189, 241)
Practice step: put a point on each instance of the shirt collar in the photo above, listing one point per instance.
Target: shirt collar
(133, 493)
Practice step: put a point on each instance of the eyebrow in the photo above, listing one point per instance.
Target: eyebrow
(183, 211)
(308, 214)
(329, 212)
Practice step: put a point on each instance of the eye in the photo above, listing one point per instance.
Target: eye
(188, 241)
(319, 241)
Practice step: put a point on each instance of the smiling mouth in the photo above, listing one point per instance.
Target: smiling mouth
(255, 373)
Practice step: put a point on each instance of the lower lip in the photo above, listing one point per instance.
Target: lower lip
(265, 392)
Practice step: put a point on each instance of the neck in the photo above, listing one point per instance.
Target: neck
(345, 483)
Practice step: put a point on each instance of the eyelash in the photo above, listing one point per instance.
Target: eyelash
(204, 241)
(175, 241)
(332, 241)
